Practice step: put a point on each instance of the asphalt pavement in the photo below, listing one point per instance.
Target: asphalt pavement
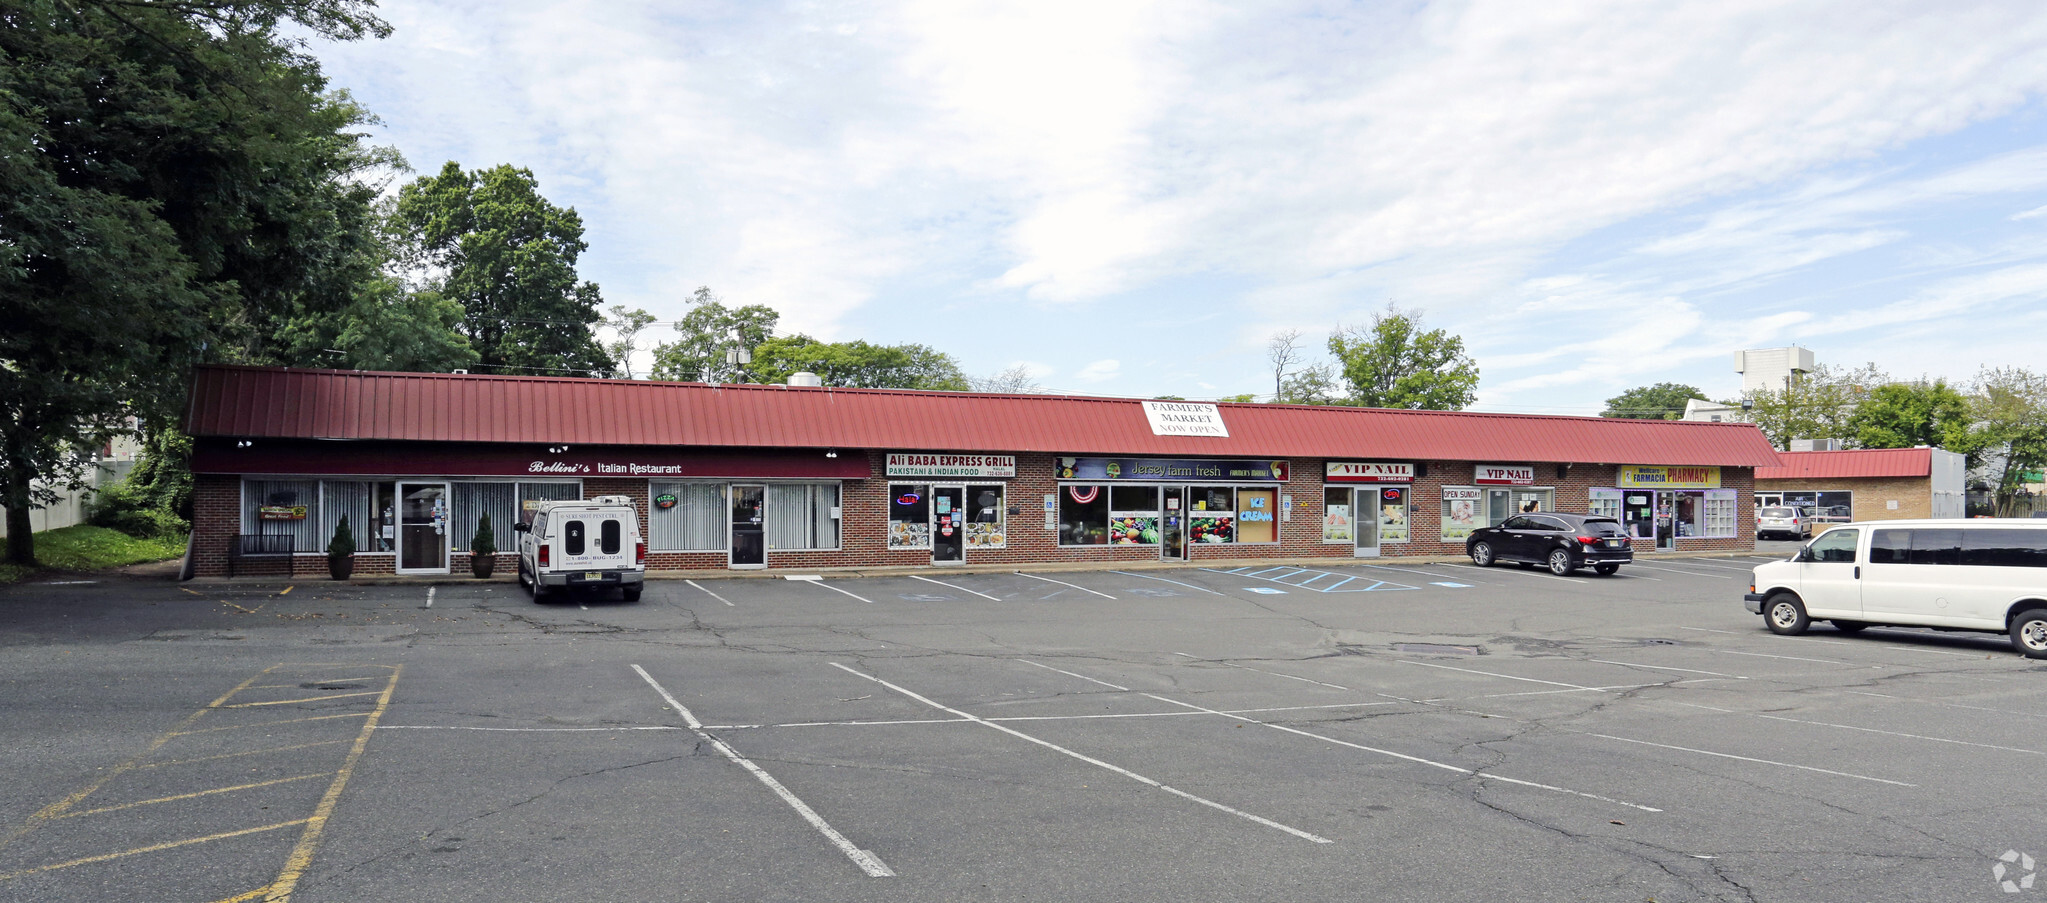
(1362, 730)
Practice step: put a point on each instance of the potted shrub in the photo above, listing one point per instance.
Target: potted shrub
(483, 550)
(341, 551)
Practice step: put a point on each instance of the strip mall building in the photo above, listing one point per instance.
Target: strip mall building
(747, 476)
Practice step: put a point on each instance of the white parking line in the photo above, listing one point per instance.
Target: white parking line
(1173, 582)
(867, 861)
(1530, 571)
(1823, 661)
(527, 730)
(1868, 730)
(819, 581)
(1707, 564)
(960, 588)
(1666, 668)
(713, 595)
(1064, 583)
(1708, 752)
(1403, 756)
(1532, 680)
(1671, 570)
(1091, 760)
(1711, 630)
(1261, 671)
(1102, 717)
(1071, 674)
(1386, 567)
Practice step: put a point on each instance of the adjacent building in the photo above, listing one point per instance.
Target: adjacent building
(750, 476)
(1838, 486)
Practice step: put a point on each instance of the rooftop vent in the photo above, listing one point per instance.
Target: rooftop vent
(806, 378)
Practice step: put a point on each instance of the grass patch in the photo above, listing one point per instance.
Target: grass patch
(87, 548)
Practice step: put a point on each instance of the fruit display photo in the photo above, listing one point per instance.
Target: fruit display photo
(1127, 530)
(1212, 529)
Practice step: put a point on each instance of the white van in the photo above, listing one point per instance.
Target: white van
(1986, 575)
(589, 544)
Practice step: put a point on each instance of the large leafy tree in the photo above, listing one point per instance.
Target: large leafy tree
(508, 256)
(175, 180)
(706, 334)
(856, 364)
(1663, 401)
(1815, 405)
(2009, 405)
(385, 326)
(1903, 415)
(1396, 363)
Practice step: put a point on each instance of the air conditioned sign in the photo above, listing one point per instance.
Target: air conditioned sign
(1184, 418)
(1367, 472)
(1651, 476)
(1503, 474)
(935, 465)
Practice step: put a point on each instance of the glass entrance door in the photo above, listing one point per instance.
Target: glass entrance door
(948, 525)
(1367, 532)
(423, 528)
(1173, 524)
(749, 527)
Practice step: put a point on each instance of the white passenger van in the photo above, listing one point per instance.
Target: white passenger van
(588, 544)
(1984, 575)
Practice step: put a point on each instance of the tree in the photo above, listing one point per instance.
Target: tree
(2009, 405)
(1283, 351)
(1816, 405)
(174, 180)
(626, 324)
(706, 333)
(1397, 364)
(856, 364)
(385, 327)
(508, 256)
(1310, 385)
(1903, 415)
(1663, 401)
(1245, 398)
(1016, 380)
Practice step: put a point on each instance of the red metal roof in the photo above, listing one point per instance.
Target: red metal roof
(1860, 462)
(258, 402)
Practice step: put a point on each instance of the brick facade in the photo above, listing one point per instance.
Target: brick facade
(864, 524)
(1873, 495)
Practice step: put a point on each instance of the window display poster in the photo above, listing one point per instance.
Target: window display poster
(1460, 512)
(1392, 515)
(1336, 525)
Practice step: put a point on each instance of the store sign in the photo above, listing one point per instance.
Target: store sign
(281, 512)
(1171, 469)
(1656, 476)
(1184, 418)
(665, 500)
(1504, 474)
(1367, 472)
(604, 468)
(1001, 467)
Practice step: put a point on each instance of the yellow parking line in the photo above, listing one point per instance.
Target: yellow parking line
(301, 685)
(236, 727)
(251, 705)
(61, 806)
(150, 849)
(237, 755)
(302, 855)
(187, 796)
(245, 898)
(285, 592)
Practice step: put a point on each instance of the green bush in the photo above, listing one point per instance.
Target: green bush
(344, 540)
(125, 507)
(486, 542)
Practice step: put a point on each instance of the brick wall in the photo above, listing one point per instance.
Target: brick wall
(864, 525)
(1914, 495)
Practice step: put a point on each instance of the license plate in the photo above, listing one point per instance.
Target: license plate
(592, 575)
(1613, 543)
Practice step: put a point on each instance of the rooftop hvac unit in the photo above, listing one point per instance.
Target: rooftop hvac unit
(806, 378)
(1806, 445)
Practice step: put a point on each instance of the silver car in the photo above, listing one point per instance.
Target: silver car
(1782, 520)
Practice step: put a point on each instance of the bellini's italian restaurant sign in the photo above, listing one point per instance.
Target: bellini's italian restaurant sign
(1367, 472)
(1171, 470)
(999, 467)
(1185, 418)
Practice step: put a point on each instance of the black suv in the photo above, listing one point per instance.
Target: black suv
(1564, 542)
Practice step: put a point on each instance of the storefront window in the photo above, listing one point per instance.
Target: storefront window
(532, 494)
(1393, 513)
(1133, 515)
(1463, 512)
(1211, 499)
(1338, 523)
(799, 516)
(288, 507)
(473, 500)
(909, 516)
(368, 507)
(1257, 515)
(1720, 508)
(692, 521)
(1604, 503)
(986, 517)
(1829, 507)
(1083, 515)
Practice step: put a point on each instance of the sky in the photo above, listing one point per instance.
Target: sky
(1131, 198)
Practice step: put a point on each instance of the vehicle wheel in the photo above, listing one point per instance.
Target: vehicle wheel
(1605, 570)
(1482, 554)
(1559, 562)
(1847, 626)
(2029, 633)
(522, 578)
(1785, 615)
(631, 593)
(539, 589)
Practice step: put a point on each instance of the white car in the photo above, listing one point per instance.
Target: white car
(589, 544)
(1979, 575)
(1782, 520)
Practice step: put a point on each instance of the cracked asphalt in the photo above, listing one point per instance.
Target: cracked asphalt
(1189, 734)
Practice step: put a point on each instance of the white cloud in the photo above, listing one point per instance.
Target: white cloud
(1100, 371)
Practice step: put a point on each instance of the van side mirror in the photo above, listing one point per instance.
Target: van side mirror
(522, 527)
(1804, 554)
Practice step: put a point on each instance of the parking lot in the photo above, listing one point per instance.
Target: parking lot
(1380, 731)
